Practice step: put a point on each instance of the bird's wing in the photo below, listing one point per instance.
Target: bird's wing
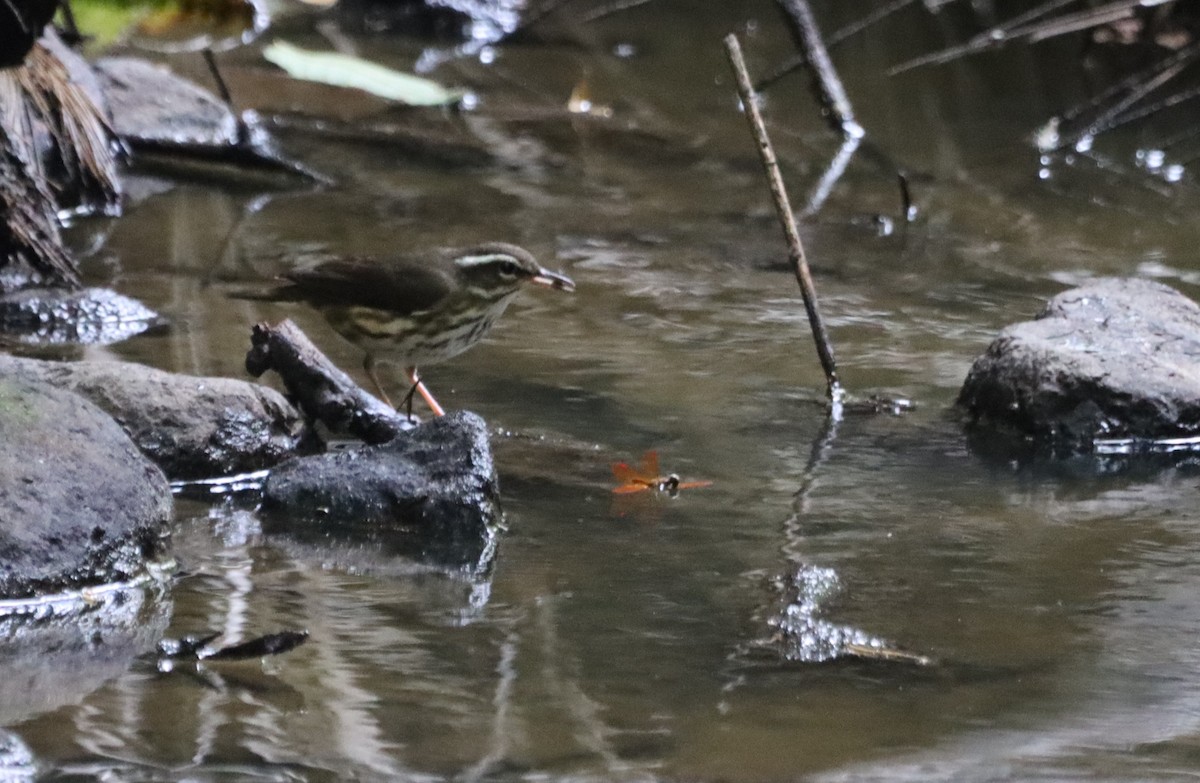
(399, 286)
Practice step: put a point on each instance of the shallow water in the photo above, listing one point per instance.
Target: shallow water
(616, 641)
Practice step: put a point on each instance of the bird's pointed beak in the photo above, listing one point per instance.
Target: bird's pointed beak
(548, 279)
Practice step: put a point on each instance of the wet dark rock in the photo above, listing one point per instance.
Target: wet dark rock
(430, 494)
(150, 101)
(190, 427)
(1114, 359)
(90, 316)
(79, 505)
(157, 112)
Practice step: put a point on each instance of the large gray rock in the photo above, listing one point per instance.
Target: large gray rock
(149, 101)
(191, 427)
(79, 505)
(1118, 358)
(430, 494)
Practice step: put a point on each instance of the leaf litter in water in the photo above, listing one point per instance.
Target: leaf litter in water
(343, 70)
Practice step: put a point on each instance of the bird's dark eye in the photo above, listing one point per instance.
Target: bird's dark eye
(509, 268)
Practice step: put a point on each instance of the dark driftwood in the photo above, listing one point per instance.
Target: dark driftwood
(826, 82)
(784, 208)
(320, 389)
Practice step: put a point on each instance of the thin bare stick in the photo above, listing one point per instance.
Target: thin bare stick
(70, 31)
(611, 8)
(243, 132)
(1117, 100)
(828, 86)
(993, 38)
(784, 208)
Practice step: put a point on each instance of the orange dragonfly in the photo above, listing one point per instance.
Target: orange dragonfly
(646, 476)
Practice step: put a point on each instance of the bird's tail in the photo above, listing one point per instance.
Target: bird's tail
(283, 292)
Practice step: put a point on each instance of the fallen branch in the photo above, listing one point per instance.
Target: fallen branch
(320, 389)
(783, 207)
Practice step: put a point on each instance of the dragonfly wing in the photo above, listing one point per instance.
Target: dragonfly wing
(649, 470)
(625, 473)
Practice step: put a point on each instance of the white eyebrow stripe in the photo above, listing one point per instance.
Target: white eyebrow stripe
(469, 261)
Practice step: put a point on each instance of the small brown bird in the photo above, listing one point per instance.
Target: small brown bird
(418, 309)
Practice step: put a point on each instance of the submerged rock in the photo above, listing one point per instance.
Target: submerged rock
(79, 505)
(430, 494)
(191, 427)
(1118, 358)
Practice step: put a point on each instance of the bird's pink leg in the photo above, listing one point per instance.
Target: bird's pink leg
(411, 372)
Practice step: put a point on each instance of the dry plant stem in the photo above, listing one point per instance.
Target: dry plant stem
(1170, 102)
(784, 208)
(828, 85)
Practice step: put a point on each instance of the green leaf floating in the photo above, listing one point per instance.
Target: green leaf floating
(343, 70)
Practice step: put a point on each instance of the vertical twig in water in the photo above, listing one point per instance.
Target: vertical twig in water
(784, 208)
(243, 132)
(70, 32)
(830, 91)
(910, 209)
